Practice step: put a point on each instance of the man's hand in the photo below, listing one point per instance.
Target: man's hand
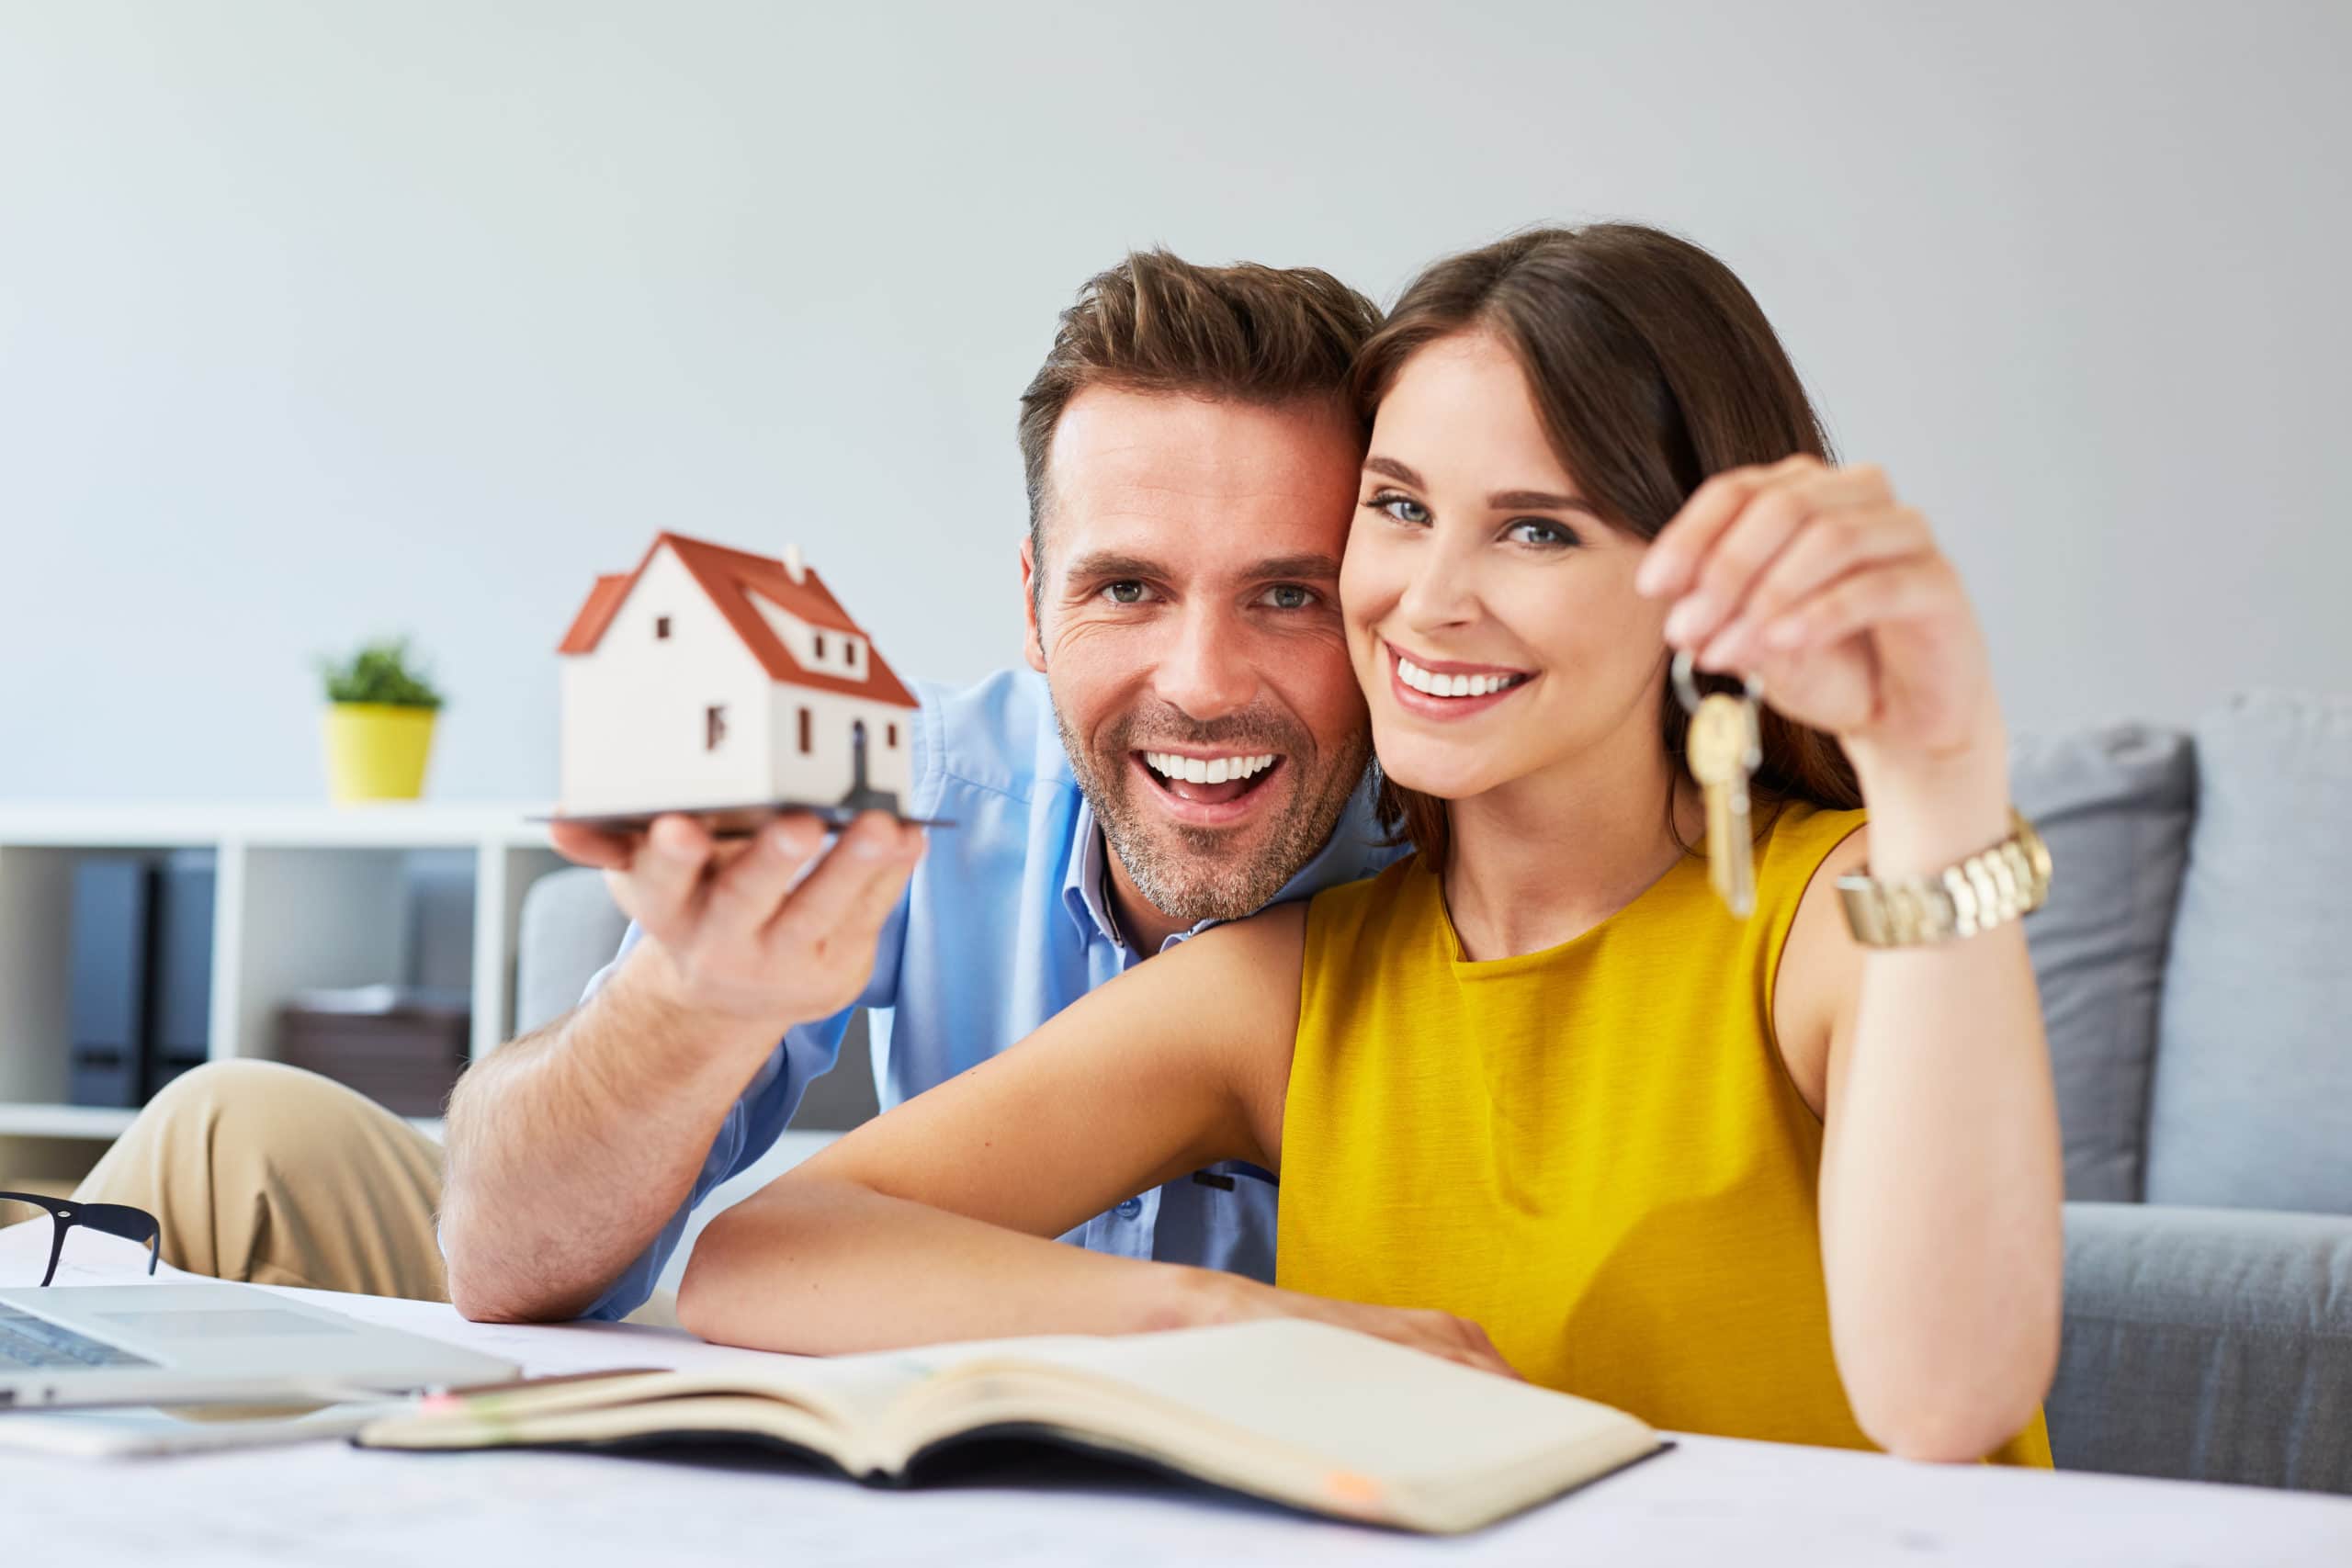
(751, 932)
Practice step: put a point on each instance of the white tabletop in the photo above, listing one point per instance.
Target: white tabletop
(1712, 1501)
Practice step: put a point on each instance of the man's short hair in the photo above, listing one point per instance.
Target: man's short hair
(1157, 323)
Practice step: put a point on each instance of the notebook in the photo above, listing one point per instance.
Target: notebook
(1302, 1414)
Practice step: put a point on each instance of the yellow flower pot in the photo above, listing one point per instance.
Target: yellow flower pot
(375, 751)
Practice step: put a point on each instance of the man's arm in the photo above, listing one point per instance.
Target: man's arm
(571, 1148)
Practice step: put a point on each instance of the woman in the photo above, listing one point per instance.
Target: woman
(1537, 1103)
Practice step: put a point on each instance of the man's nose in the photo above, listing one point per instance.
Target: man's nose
(1207, 670)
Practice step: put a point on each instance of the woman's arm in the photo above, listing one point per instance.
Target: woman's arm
(1941, 1179)
(933, 1222)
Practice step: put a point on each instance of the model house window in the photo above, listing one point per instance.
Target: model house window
(661, 628)
(890, 736)
(820, 648)
(804, 732)
(850, 653)
(714, 725)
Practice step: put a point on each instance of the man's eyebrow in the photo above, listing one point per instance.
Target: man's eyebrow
(1312, 566)
(1110, 563)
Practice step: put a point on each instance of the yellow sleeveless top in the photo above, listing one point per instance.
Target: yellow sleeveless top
(1594, 1152)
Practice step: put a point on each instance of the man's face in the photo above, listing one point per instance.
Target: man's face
(1187, 619)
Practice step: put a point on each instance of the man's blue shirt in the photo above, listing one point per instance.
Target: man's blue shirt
(1005, 922)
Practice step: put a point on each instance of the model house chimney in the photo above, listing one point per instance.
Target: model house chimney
(793, 569)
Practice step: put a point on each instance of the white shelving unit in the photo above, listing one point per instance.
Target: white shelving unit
(304, 896)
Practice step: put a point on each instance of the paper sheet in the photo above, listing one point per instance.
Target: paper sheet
(91, 1257)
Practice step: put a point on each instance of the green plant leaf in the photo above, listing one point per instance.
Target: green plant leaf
(378, 672)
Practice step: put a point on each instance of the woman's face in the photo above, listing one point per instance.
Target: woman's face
(1490, 613)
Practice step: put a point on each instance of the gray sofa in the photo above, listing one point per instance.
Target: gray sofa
(2195, 971)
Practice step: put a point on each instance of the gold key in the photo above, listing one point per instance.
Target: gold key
(1725, 747)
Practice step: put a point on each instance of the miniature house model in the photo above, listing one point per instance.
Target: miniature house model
(710, 677)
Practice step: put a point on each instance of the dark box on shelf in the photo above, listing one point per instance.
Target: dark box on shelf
(141, 981)
(113, 921)
(400, 1047)
(180, 1022)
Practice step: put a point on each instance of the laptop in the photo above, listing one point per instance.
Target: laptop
(209, 1342)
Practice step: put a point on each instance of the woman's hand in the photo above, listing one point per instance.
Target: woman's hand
(1818, 581)
(1234, 1298)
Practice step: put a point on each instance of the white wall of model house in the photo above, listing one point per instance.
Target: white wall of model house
(635, 716)
(824, 774)
(637, 709)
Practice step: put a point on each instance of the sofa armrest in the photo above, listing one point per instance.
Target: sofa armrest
(2207, 1345)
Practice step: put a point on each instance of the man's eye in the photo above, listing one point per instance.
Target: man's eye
(1289, 596)
(1536, 531)
(1403, 508)
(1126, 592)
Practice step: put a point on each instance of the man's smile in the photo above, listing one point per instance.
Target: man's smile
(1208, 789)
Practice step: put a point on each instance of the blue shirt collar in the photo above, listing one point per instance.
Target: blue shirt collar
(1086, 888)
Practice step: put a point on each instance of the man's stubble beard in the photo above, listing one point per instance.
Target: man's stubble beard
(1197, 878)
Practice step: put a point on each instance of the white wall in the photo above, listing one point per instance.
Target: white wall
(320, 319)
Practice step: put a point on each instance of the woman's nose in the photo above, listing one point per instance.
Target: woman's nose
(1441, 592)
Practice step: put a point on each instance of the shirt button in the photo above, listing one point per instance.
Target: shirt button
(1129, 1208)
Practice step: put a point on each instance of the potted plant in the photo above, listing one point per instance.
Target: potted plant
(379, 724)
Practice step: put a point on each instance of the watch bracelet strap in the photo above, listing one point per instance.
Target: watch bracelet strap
(1988, 889)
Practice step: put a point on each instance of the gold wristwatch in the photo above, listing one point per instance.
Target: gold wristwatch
(1991, 886)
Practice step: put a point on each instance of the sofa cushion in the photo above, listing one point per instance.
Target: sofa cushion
(2206, 1345)
(2115, 806)
(570, 928)
(2252, 1105)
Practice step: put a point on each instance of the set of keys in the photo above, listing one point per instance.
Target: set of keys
(1724, 748)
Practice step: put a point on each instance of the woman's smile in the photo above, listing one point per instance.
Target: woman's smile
(1444, 689)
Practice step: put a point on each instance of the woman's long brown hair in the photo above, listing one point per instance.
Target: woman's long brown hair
(1653, 367)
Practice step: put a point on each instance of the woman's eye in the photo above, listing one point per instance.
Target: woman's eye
(1535, 531)
(1126, 592)
(1403, 508)
(1289, 596)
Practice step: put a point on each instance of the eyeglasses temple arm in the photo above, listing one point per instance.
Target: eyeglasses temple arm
(59, 1225)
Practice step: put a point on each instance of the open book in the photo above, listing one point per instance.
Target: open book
(1302, 1414)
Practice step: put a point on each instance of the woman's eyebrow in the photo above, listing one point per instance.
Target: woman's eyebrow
(1539, 500)
(1501, 501)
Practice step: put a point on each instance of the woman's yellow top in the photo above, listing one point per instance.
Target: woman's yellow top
(1594, 1152)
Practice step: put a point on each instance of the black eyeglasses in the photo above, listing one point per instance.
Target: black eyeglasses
(114, 1219)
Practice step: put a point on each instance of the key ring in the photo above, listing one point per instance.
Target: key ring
(1686, 685)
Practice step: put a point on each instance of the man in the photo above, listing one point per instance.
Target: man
(1188, 745)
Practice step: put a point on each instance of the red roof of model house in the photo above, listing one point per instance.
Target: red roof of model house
(731, 578)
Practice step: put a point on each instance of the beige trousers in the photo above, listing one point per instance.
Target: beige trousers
(266, 1173)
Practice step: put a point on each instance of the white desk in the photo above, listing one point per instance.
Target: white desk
(1711, 1501)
